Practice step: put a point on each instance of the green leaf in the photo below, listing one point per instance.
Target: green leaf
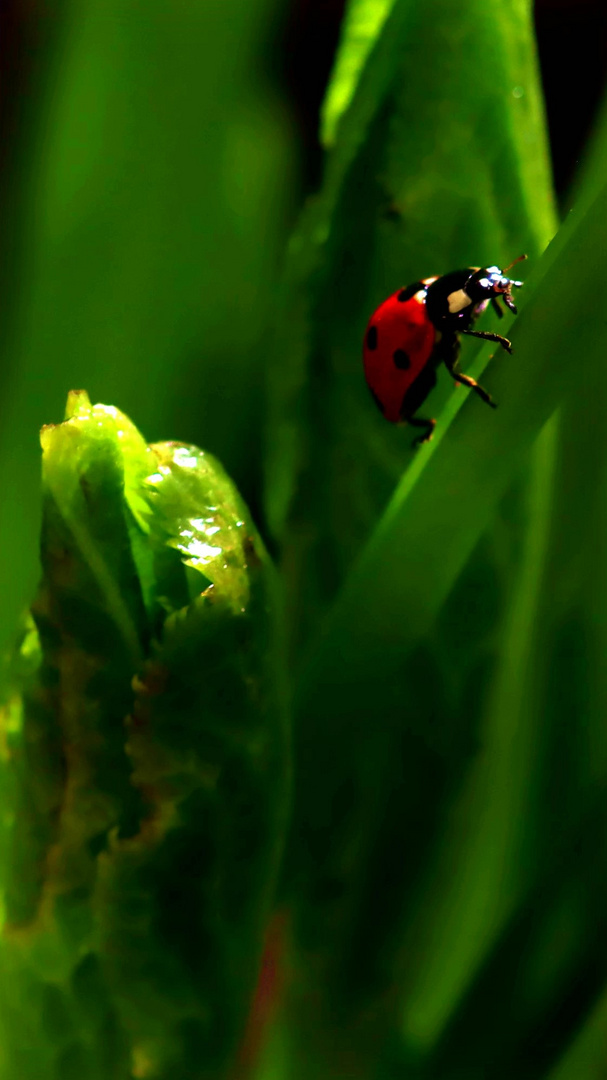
(146, 768)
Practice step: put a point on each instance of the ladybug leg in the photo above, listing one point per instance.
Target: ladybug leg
(497, 309)
(503, 341)
(448, 353)
(414, 399)
(429, 425)
(467, 381)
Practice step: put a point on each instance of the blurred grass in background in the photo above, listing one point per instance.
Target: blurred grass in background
(444, 883)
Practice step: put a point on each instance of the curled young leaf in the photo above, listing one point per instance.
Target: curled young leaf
(148, 764)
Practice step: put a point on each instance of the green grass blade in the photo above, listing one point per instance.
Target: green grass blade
(477, 872)
(362, 25)
(540, 972)
(400, 200)
(586, 1058)
(543, 974)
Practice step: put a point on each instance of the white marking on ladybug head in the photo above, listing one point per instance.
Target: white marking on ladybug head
(495, 280)
(457, 301)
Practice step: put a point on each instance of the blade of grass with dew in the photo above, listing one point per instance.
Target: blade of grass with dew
(449, 169)
(147, 768)
(139, 255)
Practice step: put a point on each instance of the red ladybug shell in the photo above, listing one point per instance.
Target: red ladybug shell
(398, 343)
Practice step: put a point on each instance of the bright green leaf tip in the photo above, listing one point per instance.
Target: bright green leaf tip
(362, 25)
(87, 430)
(177, 492)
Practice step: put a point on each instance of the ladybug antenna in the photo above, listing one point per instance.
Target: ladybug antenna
(521, 258)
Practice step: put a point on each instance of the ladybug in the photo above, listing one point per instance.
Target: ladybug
(416, 328)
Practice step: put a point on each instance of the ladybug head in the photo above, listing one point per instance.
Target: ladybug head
(490, 282)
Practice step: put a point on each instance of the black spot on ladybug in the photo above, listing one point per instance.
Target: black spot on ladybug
(376, 400)
(406, 294)
(372, 337)
(401, 359)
